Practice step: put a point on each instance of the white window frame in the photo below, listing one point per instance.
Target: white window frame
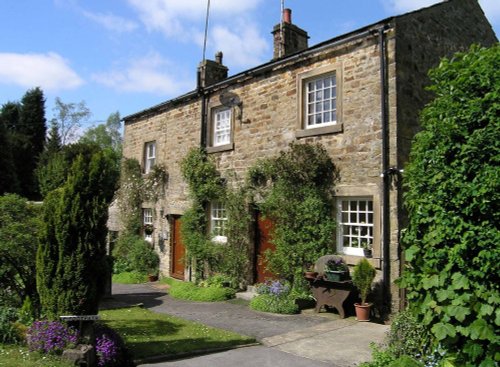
(355, 224)
(221, 126)
(218, 221)
(149, 156)
(320, 101)
(147, 218)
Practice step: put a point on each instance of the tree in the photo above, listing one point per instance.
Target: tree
(20, 226)
(71, 262)
(24, 126)
(106, 135)
(453, 197)
(32, 128)
(9, 118)
(54, 167)
(8, 176)
(69, 118)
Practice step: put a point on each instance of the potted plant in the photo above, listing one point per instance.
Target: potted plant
(362, 278)
(367, 249)
(310, 272)
(336, 270)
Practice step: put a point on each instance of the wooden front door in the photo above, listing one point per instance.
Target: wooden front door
(263, 243)
(178, 250)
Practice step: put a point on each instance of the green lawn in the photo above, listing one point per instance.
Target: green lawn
(19, 356)
(149, 334)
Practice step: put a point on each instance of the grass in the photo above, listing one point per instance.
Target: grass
(191, 292)
(131, 277)
(149, 334)
(19, 356)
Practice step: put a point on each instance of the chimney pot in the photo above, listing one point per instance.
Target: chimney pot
(218, 57)
(287, 16)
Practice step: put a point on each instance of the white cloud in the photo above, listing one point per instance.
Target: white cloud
(146, 74)
(112, 22)
(242, 44)
(231, 28)
(175, 17)
(49, 71)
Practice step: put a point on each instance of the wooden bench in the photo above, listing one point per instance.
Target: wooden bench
(332, 294)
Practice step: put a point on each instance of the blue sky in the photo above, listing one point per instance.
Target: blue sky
(128, 55)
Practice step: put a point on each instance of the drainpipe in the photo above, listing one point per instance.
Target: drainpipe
(201, 92)
(386, 271)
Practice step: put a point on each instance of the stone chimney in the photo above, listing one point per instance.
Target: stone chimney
(211, 72)
(294, 39)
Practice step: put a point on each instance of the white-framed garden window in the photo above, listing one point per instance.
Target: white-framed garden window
(221, 126)
(218, 221)
(320, 101)
(149, 156)
(147, 221)
(355, 224)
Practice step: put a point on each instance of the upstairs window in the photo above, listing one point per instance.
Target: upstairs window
(149, 156)
(221, 120)
(319, 108)
(218, 220)
(321, 102)
(355, 225)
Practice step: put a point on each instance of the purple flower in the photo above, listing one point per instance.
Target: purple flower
(50, 336)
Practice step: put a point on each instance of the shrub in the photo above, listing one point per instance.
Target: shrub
(362, 278)
(192, 292)
(452, 196)
(274, 296)
(133, 254)
(51, 337)
(380, 357)
(274, 304)
(8, 332)
(407, 336)
(405, 361)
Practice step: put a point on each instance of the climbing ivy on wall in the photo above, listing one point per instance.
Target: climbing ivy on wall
(136, 188)
(296, 191)
(206, 185)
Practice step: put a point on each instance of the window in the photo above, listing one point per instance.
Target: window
(321, 102)
(355, 225)
(149, 156)
(218, 220)
(147, 220)
(221, 121)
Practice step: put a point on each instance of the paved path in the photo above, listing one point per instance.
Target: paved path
(289, 340)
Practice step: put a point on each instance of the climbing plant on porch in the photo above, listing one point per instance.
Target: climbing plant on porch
(295, 190)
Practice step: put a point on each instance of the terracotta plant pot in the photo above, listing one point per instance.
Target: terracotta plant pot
(363, 311)
(311, 274)
(153, 278)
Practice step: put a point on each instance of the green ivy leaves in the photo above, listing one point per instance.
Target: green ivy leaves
(453, 195)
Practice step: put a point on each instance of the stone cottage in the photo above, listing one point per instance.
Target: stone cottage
(358, 94)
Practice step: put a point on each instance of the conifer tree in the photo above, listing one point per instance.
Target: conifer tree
(71, 261)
